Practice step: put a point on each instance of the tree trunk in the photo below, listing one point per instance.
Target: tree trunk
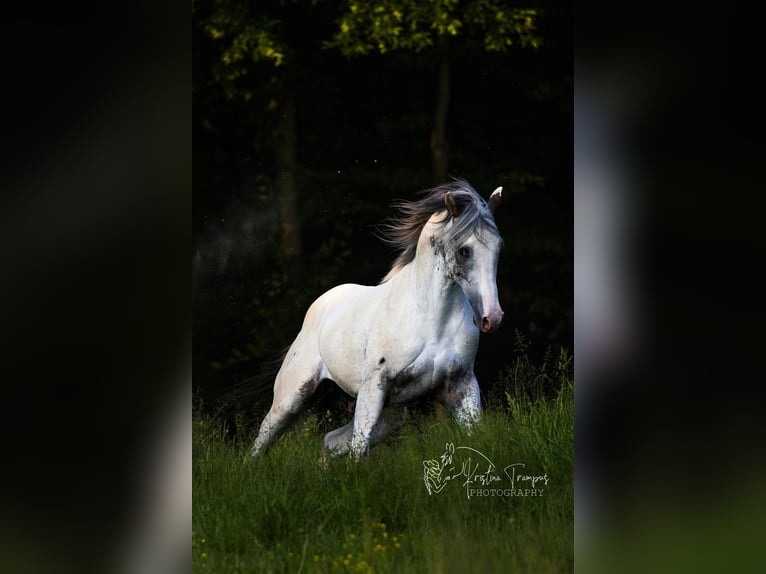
(286, 166)
(439, 146)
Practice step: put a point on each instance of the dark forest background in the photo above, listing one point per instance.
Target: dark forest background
(311, 117)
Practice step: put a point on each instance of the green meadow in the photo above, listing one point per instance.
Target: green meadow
(504, 502)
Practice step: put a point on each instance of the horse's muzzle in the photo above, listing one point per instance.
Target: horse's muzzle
(491, 321)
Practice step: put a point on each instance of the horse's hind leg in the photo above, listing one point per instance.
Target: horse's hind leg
(294, 385)
(338, 441)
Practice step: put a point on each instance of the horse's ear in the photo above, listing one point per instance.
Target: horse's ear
(496, 199)
(451, 204)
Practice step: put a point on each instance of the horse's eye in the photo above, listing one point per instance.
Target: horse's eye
(464, 252)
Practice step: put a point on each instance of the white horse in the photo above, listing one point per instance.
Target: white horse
(417, 332)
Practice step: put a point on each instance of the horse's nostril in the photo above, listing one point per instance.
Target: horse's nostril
(485, 324)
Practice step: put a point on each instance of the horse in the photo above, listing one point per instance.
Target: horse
(415, 333)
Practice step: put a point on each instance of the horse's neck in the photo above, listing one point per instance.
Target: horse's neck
(425, 280)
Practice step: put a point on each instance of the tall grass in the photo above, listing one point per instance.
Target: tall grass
(292, 511)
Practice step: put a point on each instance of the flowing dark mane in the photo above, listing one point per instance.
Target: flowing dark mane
(402, 232)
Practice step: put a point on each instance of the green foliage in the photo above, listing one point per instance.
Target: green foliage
(541, 400)
(387, 25)
(249, 33)
(244, 36)
(360, 143)
(526, 383)
(292, 510)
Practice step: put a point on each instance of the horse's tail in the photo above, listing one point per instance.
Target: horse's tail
(252, 392)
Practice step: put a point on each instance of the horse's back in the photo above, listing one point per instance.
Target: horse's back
(336, 302)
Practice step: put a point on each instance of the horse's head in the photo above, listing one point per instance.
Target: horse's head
(471, 247)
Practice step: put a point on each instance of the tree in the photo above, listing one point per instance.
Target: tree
(434, 27)
(248, 35)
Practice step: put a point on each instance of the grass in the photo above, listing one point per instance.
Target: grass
(289, 512)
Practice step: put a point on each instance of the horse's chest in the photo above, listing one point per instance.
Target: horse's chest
(409, 383)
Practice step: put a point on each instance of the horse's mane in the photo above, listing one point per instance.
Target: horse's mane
(402, 232)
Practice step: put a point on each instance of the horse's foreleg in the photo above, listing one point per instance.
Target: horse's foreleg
(338, 441)
(369, 405)
(462, 398)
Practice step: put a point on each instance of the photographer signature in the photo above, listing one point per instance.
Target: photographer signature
(478, 473)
